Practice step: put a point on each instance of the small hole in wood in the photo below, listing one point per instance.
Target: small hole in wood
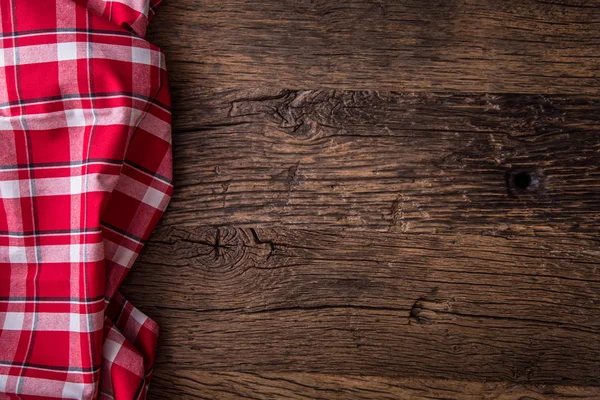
(522, 180)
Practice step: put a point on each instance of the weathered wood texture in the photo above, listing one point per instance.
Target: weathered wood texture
(388, 161)
(237, 386)
(514, 46)
(414, 237)
(458, 307)
(377, 233)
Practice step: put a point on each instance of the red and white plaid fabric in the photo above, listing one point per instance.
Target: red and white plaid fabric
(85, 174)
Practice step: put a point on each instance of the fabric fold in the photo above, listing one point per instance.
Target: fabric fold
(85, 175)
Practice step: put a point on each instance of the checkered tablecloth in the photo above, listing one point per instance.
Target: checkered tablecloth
(85, 174)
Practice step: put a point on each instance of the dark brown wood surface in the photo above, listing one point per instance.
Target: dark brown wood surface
(514, 46)
(379, 200)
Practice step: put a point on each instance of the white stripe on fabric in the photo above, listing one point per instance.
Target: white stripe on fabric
(16, 255)
(74, 256)
(13, 321)
(73, 390)
(110, 349)
(124, 257)
(60, 253)
(154, 198)
(60, 186)
(42, 387)
(141, 56)
(77, 118)
(55, 322)
(10, 189)
(138, 316)
(75, 184)
(67, 51)
(43, 53)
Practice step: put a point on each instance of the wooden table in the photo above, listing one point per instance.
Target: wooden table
(378, 200)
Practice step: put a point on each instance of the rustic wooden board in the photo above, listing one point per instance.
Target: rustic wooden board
(176, 384)
(453, 306)
(402, 162)
(514, 46)
(380, 233)
(352, 217)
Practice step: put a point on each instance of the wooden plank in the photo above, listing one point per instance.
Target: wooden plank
(339, 244)
(388, 161)
(185, 384)
(378, 342)
(461, 307)
(511, 46)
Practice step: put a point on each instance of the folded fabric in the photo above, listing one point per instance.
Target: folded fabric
(85, 174)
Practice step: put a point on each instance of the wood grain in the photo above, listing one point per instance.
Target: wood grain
(511, 46)
(457, 307)
(401, 162)
(379, 200)
(174, 384)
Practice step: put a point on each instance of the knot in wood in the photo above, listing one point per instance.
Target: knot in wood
(522, 182)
